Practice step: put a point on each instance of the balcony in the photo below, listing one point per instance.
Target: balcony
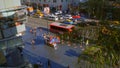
(11, 42)
(12, 31)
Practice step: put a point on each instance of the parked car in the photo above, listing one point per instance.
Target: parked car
(58, 12)
(76, 16)
(68, 21)
(67, 16)
(60, 16)
(52, 17)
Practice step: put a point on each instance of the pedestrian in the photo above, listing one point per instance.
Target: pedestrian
(34, 31)
(31, 31)
(33, 43)
(55, 45)
(45, 37)
(49, 63)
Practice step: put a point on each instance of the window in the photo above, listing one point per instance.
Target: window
(59, 29)
(66, 0)
(48, 0)
(44, 0)
(54, 1)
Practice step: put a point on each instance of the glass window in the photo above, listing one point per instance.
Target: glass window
(54, 1)
(59, 29)
(44, 0)
(11, 43)
(18, 41)
(2, 44)
(66, 0)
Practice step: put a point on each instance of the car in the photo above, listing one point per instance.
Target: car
(67, 16)
(60, 16)
(68, 21)
(58, 12)
(76, 16)
(52, 17)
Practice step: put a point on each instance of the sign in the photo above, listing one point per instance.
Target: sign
(46, 10)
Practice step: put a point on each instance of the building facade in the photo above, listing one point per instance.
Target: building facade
(53, 4)
(13, 17)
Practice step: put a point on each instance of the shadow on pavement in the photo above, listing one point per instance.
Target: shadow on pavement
(44, 29)
(39, 40)
(44, 62)
(71, 53)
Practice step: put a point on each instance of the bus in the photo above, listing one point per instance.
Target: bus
(61, 28)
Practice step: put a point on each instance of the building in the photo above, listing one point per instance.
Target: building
(53, 4)
(12, 26)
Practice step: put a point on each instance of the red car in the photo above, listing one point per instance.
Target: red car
(76, 16)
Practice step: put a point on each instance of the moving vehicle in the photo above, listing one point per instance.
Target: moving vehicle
(61, 27)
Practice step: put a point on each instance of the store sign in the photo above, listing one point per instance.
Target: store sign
(46, 10)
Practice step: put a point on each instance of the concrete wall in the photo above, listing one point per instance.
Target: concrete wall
(9, 4)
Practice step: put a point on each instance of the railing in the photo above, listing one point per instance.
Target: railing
(11, 42)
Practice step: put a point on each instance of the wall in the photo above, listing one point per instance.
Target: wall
(9, 3)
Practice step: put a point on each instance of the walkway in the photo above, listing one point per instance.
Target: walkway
(61, 58)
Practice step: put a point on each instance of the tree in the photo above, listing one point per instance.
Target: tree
(106, 51)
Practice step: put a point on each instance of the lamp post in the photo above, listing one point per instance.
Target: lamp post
(47, 27)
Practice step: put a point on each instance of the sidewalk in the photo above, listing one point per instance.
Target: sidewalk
(65, 55)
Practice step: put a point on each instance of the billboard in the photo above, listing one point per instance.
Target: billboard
(46, 10)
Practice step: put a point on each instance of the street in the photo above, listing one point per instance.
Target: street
(64, 56)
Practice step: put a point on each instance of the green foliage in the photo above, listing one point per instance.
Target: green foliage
(107, 48)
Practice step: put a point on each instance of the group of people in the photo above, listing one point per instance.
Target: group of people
(51, 40)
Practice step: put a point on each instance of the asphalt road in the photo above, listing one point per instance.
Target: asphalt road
(38, 22)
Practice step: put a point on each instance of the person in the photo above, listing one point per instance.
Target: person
(58, 39)
(33, 43)
(45, 38)
(49, 63)
(34, 31)
(31, 31)
(55, 45)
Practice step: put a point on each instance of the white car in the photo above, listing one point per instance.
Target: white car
(58, 12)
(67, 17)
(60, 17)
(54, 18)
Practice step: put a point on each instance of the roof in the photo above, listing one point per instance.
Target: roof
(62, 25)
